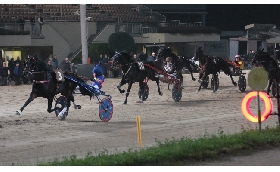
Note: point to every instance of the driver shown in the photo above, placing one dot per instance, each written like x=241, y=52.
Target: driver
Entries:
x=97, y=73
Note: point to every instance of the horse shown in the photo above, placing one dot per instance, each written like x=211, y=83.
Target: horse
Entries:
x=212, y=66
x=189, y=63
x=134, y=72
x=177, y=62
x=47, y=83
x=270, y=65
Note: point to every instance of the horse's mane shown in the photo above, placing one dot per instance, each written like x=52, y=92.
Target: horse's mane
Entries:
x=41, y=65
x=127, y=57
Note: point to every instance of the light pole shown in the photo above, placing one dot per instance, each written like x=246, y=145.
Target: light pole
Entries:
x=83, y=33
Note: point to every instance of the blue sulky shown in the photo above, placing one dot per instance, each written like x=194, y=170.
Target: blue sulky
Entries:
x=105, y=104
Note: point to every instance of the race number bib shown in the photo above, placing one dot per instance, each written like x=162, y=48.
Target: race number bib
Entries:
x=59, y=75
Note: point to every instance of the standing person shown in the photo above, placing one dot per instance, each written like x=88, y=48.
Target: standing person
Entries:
x=11, y=66
x=32, y=23
x=50, y=60
x=135, y=57
x=55, y=62
x=152, y=58
x=41, y=23
x=65, y=65
x=105, y=65
x=4, y=74
x=21, y=23
x=50, y=64
x=17, y=74
x=142, y=57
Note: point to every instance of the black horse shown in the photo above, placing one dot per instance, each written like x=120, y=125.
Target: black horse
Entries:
x=47, y=83
x=134, y=72
x=212, y=66
x=270, y=65
x=189, y=63
x=177, y=62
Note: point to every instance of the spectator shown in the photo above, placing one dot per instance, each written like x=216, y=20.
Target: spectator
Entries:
x=135, y=57
x=50, y=64
x=55, y=66
x=50, y=60
x=19, y=61
x=32, y=23
x=105, y=65
x=4, y=74
x=41, y=23
x=142, y=57
x=17, y=74
x=65, y=65
x=152, y=58
x=11, y=66
x=21, y=23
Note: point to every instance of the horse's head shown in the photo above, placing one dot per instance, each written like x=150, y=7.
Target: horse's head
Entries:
x=30, y=63
x=121, y=58
x=259, y=57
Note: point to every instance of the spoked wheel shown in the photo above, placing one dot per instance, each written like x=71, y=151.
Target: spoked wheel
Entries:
x=105, y=109
x=242, y=83
x=145, y=93
x=177, y=92
x=61, y=108
x=215, y=82
x=274, y=88
x=205, y=82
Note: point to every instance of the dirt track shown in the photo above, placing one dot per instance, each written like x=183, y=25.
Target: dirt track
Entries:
x=37, y=136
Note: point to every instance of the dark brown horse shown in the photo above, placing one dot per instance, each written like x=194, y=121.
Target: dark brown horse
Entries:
x=132, y=72
x=47, y=83
x=212, y=66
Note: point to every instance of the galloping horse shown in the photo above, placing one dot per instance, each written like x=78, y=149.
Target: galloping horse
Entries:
x=131, y=73
x=269, y=64
x=177, y=62
x=211, y=66
x=47, y=83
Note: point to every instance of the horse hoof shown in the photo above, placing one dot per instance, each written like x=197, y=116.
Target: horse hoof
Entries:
x=18, y=112
x=61, y=118
x=161, y=93
x=77, y=106
x=122, y=91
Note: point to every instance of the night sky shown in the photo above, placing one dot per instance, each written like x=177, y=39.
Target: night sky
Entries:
x=235, y=17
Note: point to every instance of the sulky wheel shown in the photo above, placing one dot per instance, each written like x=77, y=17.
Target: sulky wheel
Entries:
x=215, y=82
x=242, y=83
x=105, y=109
x=176, y=92
x=61, y=109
x=274, y=88
x=145, y=93
x=205, y=82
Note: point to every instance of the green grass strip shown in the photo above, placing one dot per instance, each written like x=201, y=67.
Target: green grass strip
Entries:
x=174, y=152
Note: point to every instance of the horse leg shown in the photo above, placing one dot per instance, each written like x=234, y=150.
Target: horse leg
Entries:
x=191, y=72
x=30, y=99
x=269, y=85
x=75, y=105
x=120, y=85
x=50, y=101
x=233, y=82
x=202, y=79
x=141, y=86
x=127, y=92
x=159, y=91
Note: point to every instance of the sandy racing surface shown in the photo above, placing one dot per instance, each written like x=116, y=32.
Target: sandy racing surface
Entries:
x=37, y=136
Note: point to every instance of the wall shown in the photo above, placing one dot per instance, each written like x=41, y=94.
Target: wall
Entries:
x=64, y=37
x=15, y=40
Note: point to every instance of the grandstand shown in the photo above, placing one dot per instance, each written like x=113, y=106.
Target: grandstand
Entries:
x=62, y=27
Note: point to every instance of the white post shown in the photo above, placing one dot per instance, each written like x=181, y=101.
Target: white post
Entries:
x=83, y=33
